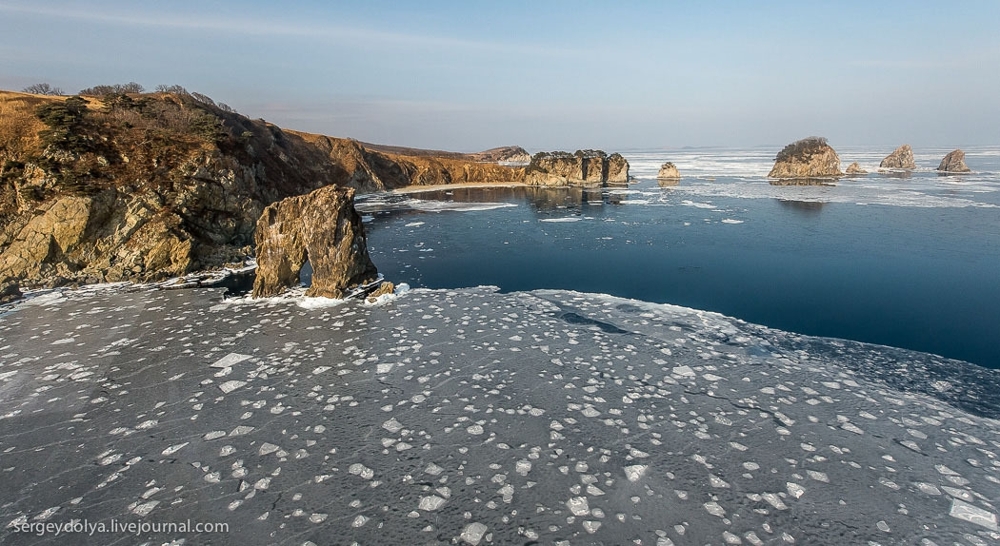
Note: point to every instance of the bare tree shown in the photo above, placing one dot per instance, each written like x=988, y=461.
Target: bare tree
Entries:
x=42, y=89
x=176, y=89
x=204, y=99
x=102, y=90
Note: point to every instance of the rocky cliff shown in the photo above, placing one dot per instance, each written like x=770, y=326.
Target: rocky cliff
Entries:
x=900, y=158
x=954, y=162
x=807, y=158
x=322, y=228
x=144, y=187
x=582, y=168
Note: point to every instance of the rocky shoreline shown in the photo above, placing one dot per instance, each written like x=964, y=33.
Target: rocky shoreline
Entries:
x=83, y=199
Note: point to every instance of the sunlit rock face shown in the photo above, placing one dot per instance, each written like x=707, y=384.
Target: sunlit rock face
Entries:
x=582, y=168
x=668, y=175
x=854, y=169
x=807, y=158
x=901, y=158
x=954, y=162
x=321, y=227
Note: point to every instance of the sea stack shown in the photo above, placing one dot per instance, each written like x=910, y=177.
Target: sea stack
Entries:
x=854, y=168
x=582, y=168
x=321, y=227
x=900, y=158
x=810, y=157
x=954, y=162
x=668, y=175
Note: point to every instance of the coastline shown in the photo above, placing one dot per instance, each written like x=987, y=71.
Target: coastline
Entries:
x=406, y=190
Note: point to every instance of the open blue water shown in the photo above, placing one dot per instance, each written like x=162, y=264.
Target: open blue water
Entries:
x=906, y=261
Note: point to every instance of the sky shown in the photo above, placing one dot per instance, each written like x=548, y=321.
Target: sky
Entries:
x=546, y=75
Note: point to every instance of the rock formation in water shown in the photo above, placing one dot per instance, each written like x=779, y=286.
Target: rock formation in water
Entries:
x=807, y=158
x=854, y=168
x=322, y=228
x=954, y=162
x=583, y=168
x=668, y=175
x=148, y=186
x=900, y=158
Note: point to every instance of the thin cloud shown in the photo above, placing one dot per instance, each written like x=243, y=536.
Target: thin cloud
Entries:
x=327, y=32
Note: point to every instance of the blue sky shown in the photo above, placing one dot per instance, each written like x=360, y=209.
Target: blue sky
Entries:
x=546, y=75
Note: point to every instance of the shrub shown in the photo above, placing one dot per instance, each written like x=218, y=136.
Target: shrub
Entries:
x=65, y=122
x=800, y=147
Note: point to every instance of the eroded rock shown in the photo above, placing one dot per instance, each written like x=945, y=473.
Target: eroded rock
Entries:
x=954, y=162
x=900, y=158
x=383, y=289
x=810, y=157
x=854, y=168
x=583, y=168
x=668, y=175
x=321, y=227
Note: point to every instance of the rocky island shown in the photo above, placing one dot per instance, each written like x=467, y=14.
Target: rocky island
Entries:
x=668, y=175
x=582, y=168
x=901, y=158
x=954, y=162
x=809, y=158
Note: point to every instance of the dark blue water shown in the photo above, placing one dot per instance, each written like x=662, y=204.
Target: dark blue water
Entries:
x=919, y=277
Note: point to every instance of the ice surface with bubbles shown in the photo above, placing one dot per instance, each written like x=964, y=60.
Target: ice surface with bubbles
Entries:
x=474, y=417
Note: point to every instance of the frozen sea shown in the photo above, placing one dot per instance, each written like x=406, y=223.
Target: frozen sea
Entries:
x=905, y=260
x=546, y=414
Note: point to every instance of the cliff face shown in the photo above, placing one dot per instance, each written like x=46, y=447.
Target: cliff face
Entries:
x=144, y=187
x=807, y=158
x=583, y=168
x=367, y=170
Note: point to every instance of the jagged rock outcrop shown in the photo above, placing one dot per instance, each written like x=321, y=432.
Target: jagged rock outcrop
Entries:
x=668, y=175
x=954, y=162
x=900, y=158
x=145, y=187
x=854, y=168
x=9, y=292
x=810, y=157
x=512, y=155
x=383, y=289
x=582, y=168
x=322, y=228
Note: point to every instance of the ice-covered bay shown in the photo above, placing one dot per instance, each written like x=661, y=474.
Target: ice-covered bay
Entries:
x=474, y=417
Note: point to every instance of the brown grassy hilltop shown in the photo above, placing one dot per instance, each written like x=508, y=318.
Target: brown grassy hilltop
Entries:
x=130, y=186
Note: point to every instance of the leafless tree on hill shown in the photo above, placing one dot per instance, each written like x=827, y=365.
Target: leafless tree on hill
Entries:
x=42, y=89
